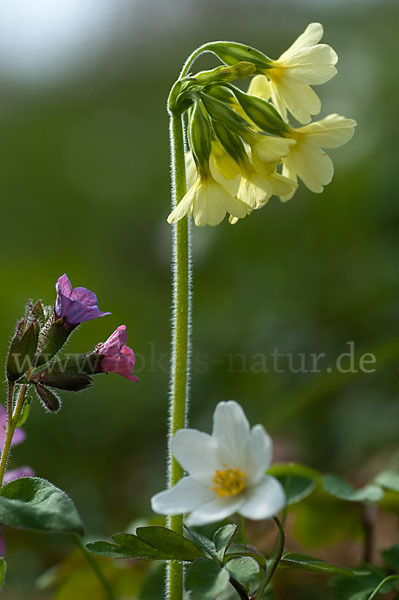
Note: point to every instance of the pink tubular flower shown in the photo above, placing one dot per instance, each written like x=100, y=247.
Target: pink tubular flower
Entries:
x=117, y=357
x=75, y=305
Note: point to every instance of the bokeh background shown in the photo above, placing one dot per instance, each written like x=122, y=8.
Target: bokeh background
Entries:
x=84, y=189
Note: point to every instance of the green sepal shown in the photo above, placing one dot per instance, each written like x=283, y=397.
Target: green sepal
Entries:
x=233, y=52
x=261, y=112
x=239, y=70
x=23, y=417
x=88, y=363
x=22, y=349
x=52, y=338
x=222, y=111
x=49, y=399
x=36, y=504
x=230, y=141
x=199, y=135
x=37, y=312
x=71, y=381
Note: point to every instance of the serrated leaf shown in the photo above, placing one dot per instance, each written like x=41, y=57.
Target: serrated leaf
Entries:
x=243, y=568
x=335, y=486
x=223, y=538
x=308, y=563
x=3, y=569
x=206, y=546
x=170, y=542
x=205, y=579
x=34, y=503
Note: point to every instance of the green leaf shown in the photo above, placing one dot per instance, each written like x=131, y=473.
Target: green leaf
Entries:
x=169, y=542
x=206, y=580
x=24, y=413
x=308, y=563
x=34, y=503
x=344, y=491
x=223, y=538
x=3, y=569
x=150, y=543
x=297, y=480
x=359, y=588
x=391, y=557
x=243, y=568
x=206, y=546
x=388, y=479
x=238, y=550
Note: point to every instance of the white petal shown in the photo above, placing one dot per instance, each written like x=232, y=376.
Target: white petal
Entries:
x=311, y=36
x=217, y=510
x=258, y=455
x=331, y=132
x=264, y=500
x=231, y=430
x=187, y=495
x=197, y=452
x=260, y=87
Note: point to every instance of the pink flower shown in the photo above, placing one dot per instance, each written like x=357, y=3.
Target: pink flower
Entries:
x=75, y=305
x=117, y=357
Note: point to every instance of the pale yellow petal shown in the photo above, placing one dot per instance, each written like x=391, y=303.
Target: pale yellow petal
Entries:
x=313, y=66
x=291, y=175
x=311, y=36
x=268, y=151
x=184, y=205
x=260, y=87
x=312, y=165
x=255, y=191
x=331, y=132
x=300, y=99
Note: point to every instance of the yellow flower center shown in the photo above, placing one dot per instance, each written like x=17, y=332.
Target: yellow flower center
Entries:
x=228, y=482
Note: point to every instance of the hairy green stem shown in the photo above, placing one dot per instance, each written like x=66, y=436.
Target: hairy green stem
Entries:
x=12, y=421
x=95, y=568
x=181, y=341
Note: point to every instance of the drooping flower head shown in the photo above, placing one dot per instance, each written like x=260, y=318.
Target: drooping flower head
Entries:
x=75, y=305
x=307, y=159
x=226, y=471
x=305, y=63
x=117, y=357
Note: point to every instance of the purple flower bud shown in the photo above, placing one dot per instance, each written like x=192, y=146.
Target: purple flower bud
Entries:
x=17, y=473
x=75, y=305
x=117, y=357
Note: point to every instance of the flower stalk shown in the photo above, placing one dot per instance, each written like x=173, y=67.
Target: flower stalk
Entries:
x=13, y=417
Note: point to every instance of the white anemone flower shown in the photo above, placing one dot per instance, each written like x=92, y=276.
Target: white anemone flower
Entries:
x=305, y=63
x=226, y=472
x=307, y=158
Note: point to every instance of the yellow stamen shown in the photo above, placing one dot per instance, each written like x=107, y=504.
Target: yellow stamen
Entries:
x=228, y=482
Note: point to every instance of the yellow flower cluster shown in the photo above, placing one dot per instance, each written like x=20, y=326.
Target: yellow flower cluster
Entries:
x=243, y=149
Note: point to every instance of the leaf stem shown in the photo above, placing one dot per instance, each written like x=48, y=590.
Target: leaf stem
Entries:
x=383, y=582
x=273, y=567
x=95, y=567
x=12, y=421
x=243, y=531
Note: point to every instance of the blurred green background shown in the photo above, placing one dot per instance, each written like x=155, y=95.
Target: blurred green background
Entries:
x=84, y=189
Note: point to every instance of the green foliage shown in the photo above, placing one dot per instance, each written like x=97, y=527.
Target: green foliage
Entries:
x=391, y=557
x=223, y=538
x=243, y=568
x=297, y=480
x=34, y=503
x=308, y=563
x=150, y=543
x=344, y=491
x=205, y=579
x=362, y=587
x=388, y=479
x=24, y=413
